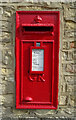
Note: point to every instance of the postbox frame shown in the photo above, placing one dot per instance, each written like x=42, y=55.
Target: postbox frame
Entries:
x=20, y=105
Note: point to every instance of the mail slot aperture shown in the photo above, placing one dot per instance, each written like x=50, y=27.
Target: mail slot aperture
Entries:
x=37, y=59
x=34, y=28
x=38, y=28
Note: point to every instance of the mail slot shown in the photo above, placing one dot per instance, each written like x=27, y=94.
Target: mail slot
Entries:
x=37, y=59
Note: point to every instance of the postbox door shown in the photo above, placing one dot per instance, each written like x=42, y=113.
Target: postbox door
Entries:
x=36, y=86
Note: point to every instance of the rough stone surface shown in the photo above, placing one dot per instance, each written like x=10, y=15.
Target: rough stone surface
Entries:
x=63, y=100
x=67, y=59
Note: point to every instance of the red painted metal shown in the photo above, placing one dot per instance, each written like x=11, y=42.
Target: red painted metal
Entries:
x=37, y=89
x=38, y=19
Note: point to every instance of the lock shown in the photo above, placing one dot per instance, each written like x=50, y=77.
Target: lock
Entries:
x=28, y=99
x=37, y=59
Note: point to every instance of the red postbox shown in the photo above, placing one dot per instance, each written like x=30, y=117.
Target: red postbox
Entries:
x=37, y=59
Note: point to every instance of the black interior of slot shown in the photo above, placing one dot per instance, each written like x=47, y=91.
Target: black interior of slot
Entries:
x=38, y=28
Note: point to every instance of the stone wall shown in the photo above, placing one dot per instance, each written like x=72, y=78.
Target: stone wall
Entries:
x=67, y=58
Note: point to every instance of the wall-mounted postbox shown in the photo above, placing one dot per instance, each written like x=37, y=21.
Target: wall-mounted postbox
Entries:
x=37, y=57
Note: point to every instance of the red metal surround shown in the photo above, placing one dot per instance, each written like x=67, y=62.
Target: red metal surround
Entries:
x=37, y=89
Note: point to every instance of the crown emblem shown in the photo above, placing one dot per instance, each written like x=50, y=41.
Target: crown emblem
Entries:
x=38, y=19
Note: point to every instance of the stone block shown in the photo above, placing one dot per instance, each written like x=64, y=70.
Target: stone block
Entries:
x=7, y=87
x=19, y=112
x=1, y=99
x=0, y=57
x=2, y=89
x=9, y=118
x=70, y=55
x=70, y=25
x=4, y=1
x=69, y=14
x=71, y=80
x=71, y=68
x=74, y=55
x=8, y=100
x=9, y=78
x=69, y=110
x=0, y=35
x=6, y=111
x=65, y=45
x=48, y=118
x=16, y=1
x=7, y=71
x=6, y=26
x=63, y=87
x=7, y=13
x=62, y=100
x=69, y=34
x=45, y=112
x=6, y=39
x=8, y=57
x=72, y=5
x=1, y=10
x=4, y=71
x=72, y=103
x=55, y=4
x=64, y=67
x=5, y=18
x=70, y=88
x=64, y=55
x=5, y=34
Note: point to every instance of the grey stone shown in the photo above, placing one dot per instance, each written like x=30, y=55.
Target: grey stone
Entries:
x=8, y=100
x=7, y=57
x=14, y=1
x=5, y=111
x=69, y=14
x=7, y=71
x=6, y=26
x=7, y=87
x=62, y=100
x=1, y=10
x=57, y=118
x=70, y=34
x=29, y=118
x=4, y=1
x=6, y=39
x=64, y=55
x=9, y=118
x=5, y=34
x=70, y=79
